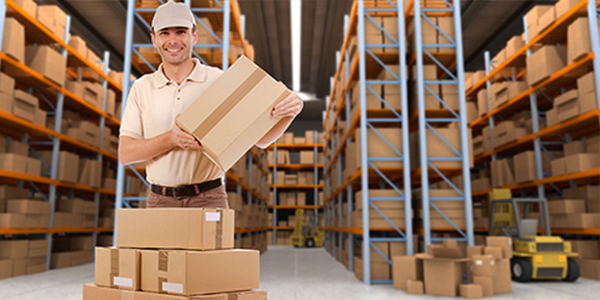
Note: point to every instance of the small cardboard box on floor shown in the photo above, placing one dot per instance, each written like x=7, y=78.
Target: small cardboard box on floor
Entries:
x=234, y=112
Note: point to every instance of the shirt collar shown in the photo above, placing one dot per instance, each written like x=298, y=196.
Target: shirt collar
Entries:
x=198, y=74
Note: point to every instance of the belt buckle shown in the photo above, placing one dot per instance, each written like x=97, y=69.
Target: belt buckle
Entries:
x=179, y=191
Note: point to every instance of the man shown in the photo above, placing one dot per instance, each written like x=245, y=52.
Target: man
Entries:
x=180, y=174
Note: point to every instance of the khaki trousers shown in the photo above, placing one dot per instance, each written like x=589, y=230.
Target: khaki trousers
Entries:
x=214, y=198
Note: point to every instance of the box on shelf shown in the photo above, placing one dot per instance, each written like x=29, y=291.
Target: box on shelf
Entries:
x=24, y=105
x=47, y=62
x=13, y=43
x=545, y=62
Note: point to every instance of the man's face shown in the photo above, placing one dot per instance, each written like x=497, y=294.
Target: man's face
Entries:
x=174, y=44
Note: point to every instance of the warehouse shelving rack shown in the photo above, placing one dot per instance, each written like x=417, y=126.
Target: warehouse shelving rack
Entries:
x=315, y=186
x=360, y=69
x=57, y=98
x=221, y=14
x=579, y=125
x=429, y=119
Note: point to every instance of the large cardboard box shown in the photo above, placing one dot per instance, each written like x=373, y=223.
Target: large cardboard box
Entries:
x=47, y=62
x=442, y=143
x=578, y=39
x=28, y=206
x=234, y=112
x=443, y=276
x=502, y=279
x=567, y=105
x=563, y=6
x=118, y=268
x=172, y=228
x=94, y=292
x=24, y=105
x=13, y=162
x=406, y=268
x=37, y=248
x=199, y=272
x=566, y=206
x=471, y=291
x=13, y=249
x=483, y=265
x=13, y=42
x=78, y=44
x=546, y=61
x=582, y=162
x=501, y=241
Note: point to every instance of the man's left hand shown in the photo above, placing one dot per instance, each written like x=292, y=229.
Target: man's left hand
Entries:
x=291, y=106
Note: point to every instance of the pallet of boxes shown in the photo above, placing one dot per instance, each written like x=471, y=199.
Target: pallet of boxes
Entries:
x=446, y=270
x=175, y=253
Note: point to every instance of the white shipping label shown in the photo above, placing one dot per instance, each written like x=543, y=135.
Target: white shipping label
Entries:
x=479, y=262
x=172, y=287
x=492, y=262
x=122, y=281
x=213, y=216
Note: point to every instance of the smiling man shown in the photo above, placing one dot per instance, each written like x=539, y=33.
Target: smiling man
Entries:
x=180, y=174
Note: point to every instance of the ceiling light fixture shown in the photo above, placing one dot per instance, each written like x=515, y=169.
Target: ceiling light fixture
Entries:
x=296, y=23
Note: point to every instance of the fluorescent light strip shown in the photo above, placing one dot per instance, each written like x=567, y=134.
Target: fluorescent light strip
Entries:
x=296, y=23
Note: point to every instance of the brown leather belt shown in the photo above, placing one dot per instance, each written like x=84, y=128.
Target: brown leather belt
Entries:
x=181, y=191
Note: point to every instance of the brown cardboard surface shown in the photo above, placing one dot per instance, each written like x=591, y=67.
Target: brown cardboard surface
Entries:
x=545, y=62
x=496, y=252
x=502, y=279
x=171, y=228
x=19, y=267
x=566, y=206
x=578, y=39
x=586, y=85
x=29, y=6
x=5, y=268
x=558, y=166
x=28, y=206
x=37, y=248
x=586, y=249
x=242, y=114
x=483, y=265
x=574, y=147
x=567, y=105
x=501, y=241
x=487, y=284
x=582, y=162
x=525, y=167
x=47, y=62
x=24, y=105
x=13, y=42
x=406, y=268
x=93, y=292
x=414, y=287
x=13, y=162
x=7, y=84
x=199, y=272
x=563, y=6
x=12, y=249
x=442, y=276
x=471, y=291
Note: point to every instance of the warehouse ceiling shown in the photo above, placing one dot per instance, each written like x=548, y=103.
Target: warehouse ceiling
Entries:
x=487, y=24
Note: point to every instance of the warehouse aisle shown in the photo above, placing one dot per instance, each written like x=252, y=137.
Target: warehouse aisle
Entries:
x=287, y=274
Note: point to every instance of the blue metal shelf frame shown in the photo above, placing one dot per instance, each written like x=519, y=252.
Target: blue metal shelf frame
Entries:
x=364, y=15
x=457, y=78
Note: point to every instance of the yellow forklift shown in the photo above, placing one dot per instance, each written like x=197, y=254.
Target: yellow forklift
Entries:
x=534, y=257
x=306, y=235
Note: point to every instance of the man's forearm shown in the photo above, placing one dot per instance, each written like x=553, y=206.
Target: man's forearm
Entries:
x=275, y=132
x=139, y=150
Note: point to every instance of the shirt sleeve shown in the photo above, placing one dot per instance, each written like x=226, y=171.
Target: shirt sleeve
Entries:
x=131, y=124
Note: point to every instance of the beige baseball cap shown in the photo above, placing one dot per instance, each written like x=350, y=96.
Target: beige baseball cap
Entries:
x=173, y=14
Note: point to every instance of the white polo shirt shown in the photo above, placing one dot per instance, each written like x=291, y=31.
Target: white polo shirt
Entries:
x=152, y=105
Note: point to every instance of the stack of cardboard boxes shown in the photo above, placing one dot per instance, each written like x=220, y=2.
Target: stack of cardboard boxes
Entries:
x=441, y=270
x=588, y=258
x=19, y=103
x=69, y=251
x=14, y=156
x=155, y=258
x=20, y=257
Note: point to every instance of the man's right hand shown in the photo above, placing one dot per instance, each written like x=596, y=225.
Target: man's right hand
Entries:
x=183, y=139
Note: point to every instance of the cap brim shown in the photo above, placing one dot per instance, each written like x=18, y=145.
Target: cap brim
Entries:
x=175, y=22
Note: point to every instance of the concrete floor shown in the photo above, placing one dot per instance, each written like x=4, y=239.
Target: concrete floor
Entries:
x=287, y=273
